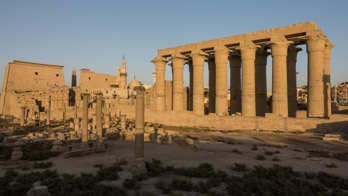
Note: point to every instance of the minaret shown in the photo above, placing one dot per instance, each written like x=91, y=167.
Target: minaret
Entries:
x=73, y=79
x=123, y=80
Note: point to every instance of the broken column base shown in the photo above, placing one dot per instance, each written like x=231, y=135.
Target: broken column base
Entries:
x=138, y=168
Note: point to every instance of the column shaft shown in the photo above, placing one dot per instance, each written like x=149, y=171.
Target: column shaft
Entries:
x=248, y=81
x=327, y=78
x=235, y=84
x=139, y=124
x=315, y=50
x=22, y=120
x=279, y=78
x=160, y=64
x=198, y=83
x=178, y=87
x=48, y=111
x=212, y=83
x=291, y=77
x=261, y=82
x=191, y=85
x=221, y=58
x=84, y=143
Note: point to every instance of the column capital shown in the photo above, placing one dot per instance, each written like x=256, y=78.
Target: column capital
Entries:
x=159, y=59
x=198, y=58
x=178, y=56
x=327, y=50
x=140, y=90
x=315, y=43
x=221, y=55
x=84, y=95
x=280, y=48
x=248, y=51
x=294, y=48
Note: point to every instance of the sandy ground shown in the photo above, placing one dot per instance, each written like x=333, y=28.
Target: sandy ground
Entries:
x=293, y=151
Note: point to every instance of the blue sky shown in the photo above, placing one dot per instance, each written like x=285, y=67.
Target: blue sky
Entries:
x=96, y=34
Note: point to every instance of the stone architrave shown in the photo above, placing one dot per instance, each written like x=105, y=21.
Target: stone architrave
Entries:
x=99, y=136
x=198, y=58
x=248, y=54
x=160, y=64
x=22, y=119
x=178, y=85
x=327, y=78
x=279, y=77
x=235, y=83
x=261, y=82
x=139, y=166
x=212, y=83
x=315, y=50
x=292, y=82
x=221, y=58
x=84, y=142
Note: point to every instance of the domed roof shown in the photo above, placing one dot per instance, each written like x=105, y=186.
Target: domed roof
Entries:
x=134, y=83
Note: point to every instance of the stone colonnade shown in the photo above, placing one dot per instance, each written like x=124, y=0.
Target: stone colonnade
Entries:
x=248, y=85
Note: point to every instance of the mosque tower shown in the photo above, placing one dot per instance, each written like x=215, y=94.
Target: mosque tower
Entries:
x=123, y=91
x=73, y=79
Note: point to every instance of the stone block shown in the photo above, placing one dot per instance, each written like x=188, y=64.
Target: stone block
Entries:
x=332, y=137
x=38, y=191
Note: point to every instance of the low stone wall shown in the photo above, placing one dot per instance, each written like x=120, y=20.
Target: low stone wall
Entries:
x=270, y=122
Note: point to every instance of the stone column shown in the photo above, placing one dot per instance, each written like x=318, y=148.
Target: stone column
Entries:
x=22, y=120
x=178, y=86
x=48, y=111
x=292, y=82
x=212, y=83
x=261, y=82
x=327, y=80
x=123, y=122
x=84, y=143
x=160, y=64
x=198, y=58
x=94, y=121
x=235, y=83
x=248, y=54
x=279, y=77
x=191, y=85
x=315, y=50
x=107, y=120
x=221, y=58
x=99, y=139
x=64, y=112
x=139, y=166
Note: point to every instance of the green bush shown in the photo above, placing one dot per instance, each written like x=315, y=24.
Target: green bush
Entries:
x=108, y=173
x=332, y=181
x=154, y=168
x=204, y=170
x=275, y=159
x=268, y=153
x=38, y=151
x=43, y=165
x=179, y=184
x=106, y=190
x=341, y=156
x=5, y=152
x=131, y=184
x=276, y=180
x=260, y=157
x=202, y=187
x=331, y=165
x=236, y=151
x=239, y=167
